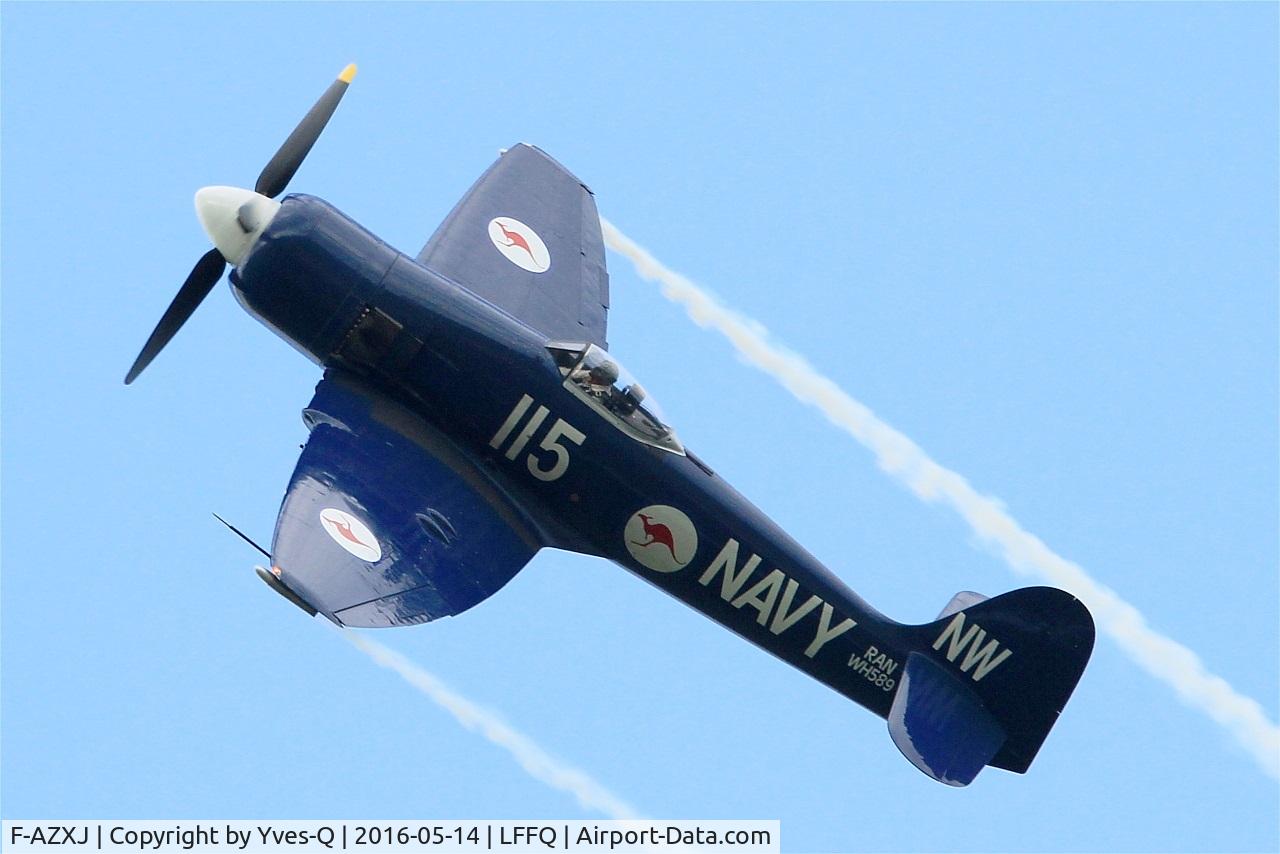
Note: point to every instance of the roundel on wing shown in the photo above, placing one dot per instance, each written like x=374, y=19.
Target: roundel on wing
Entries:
x=519, y=244
x=349, y=532
x=661, y=538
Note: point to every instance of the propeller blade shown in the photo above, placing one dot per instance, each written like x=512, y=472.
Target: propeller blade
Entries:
x=204, y=275
x=275, y=177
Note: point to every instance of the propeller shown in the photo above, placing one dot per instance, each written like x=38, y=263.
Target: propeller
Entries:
x=279, y=170
x=234, y=218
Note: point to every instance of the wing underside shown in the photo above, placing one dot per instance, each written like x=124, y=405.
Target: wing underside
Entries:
x=385, y=522
x=526, y=237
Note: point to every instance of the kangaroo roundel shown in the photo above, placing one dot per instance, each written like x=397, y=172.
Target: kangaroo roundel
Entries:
x=350, y=533
x=661, y=538
x=520, y=244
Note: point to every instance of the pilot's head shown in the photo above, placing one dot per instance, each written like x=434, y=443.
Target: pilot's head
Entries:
x=605, y=373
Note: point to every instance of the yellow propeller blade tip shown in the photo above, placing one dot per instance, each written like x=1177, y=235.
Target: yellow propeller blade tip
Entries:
x=348, y=73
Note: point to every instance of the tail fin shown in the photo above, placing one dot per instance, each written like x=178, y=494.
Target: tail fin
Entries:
x=988, y=680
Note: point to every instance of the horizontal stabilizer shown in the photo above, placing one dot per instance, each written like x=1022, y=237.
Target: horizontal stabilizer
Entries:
x=940, y=725
x=960, y=601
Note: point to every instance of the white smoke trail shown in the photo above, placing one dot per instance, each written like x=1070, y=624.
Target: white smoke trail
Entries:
x=532, y=758
x=1161, y=656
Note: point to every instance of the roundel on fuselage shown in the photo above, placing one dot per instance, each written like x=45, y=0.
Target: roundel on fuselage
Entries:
x=661, y=538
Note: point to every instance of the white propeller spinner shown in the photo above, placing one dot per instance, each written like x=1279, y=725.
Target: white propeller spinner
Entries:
x=234, y=218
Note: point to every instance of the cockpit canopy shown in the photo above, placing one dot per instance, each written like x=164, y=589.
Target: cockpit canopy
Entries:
x=597, y=378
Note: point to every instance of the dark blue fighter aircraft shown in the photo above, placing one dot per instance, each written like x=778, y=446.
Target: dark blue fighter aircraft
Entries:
x=471, y=413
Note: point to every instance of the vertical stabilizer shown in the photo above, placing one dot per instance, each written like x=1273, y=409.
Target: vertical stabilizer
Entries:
x=987, y=681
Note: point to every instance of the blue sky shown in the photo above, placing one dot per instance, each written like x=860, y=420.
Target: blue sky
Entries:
x=1040, y=240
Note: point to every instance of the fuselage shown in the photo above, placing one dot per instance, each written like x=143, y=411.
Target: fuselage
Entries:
x=495, y=389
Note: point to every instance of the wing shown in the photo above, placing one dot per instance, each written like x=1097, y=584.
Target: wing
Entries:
x=385, y=522
x=526, y=237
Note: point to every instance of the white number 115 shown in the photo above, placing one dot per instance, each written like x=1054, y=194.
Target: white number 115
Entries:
x=561, y=429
